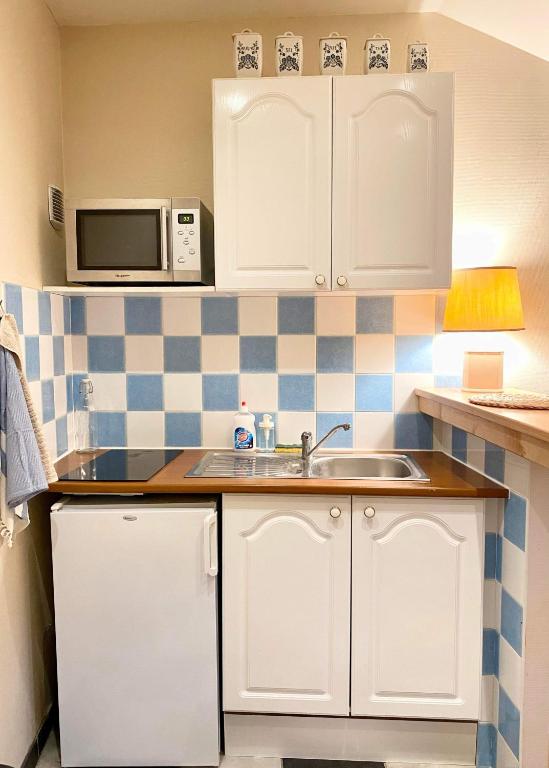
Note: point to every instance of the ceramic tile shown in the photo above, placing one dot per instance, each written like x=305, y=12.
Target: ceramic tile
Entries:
x=111, y=429
x=513, y=571
x=374, y=431
x=30, y=324
x=291, y=424
x=335, y=391
x=32, y=357
x=490, y=652
x=105, y=316
x=61, y=435
x=490, y=555
x=78, y=315
x=335, y=354
x=490, y=614
x=405, y=385
x=183, y=392
x=217, y=429
x=415, y=314
x=143, y=315
x=183, y=429
x=49, y=430
x=257, y=315
x=48, y=400
x=517, y=474
x=60, y=395
x=145, y=392
x=146, y=429
x=44, y=313
x=505, y=758
x=45, y=344
x=375, y=353
x=414, y=354
x=486, y=745
x=475, y=452
x=181, y=316
x=510, y=672
x=296, y=315
x=57, y=321
x=296, y=354
x=487, y=696
x=109, y=391
x=341, y=439
x=106, y=354
x=13, y=303
x=499, y=556
x=413, y=431
x=66, y=315
x=509, y=722
x=220, y=392
x=374, y=314
x=296, y=392
x=219, y=315
x=144, y=354
x=448, y=380
x=514, y=527
x=335, y=315
x=258, y=354
x=494, y=462
x=182, y=354
x=511, y=621
x=459, y=444
x=79, y=348
x=58, y=355
x=220, y=354
x=374, y=392
x=260, y=391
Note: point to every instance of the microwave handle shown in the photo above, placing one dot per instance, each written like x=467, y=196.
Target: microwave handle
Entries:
x=164, y=237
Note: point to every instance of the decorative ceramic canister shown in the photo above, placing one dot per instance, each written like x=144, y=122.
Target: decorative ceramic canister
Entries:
x=289, y=54
x=418, y=57
x=333, y=54
x=248, y=53
x=377, y=54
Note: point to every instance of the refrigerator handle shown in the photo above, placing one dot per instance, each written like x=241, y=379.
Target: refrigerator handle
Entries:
x=210, y=545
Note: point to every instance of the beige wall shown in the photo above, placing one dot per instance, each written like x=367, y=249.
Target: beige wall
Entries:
x=137, y=121
x=31, y=252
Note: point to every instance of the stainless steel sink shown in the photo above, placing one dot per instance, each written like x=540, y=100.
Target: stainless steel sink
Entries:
x=368, y=466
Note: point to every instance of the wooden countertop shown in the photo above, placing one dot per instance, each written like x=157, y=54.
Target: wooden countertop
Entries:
x=449, y=478
x=520, y=431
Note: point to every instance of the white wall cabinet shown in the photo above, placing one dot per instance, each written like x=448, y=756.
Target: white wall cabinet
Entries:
x=286, y=604
x=369, y=207
x=417, y=607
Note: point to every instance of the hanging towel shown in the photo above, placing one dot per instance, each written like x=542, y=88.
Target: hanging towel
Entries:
x=9, y=339
x=22, y=475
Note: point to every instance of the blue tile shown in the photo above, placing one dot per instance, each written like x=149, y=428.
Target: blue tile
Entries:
x=70, y=395
x=499, y=557
x=44, y=313
x=61, y=434
x=181, y=354
x=414, y=354
x=48, y=401
x=296, y=314
x=257, y=353
x=509, y=722
x=32, y=358
x=413, y=431
x=374, y=392
x=490, y=555
x=143, y=315
x=335, y=354
x=58, y=355
x=487, y=743
x=106, y=354
x=145, y=391
x=67, y=315
x=219, y=315
x=374, y=314
x=511, y=621
x=490, y=652
x=78, y=315
x=111, y=428
x=296, y=392
x=459, y=444
x=514, y=520
x=220, y=392
x=494, y=461
x=342, y=438
x=183, y=429
x=14, y=304
x=448, y=380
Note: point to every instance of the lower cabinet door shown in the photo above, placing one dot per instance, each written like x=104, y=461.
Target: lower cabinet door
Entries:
x=417, y=607
x=286, y=604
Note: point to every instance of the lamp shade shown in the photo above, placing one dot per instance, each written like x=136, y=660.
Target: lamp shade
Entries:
x=484, y=299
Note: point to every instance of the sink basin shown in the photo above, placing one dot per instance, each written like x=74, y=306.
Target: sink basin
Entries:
x=367, y=467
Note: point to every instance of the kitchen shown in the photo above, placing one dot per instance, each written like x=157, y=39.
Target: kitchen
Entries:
x=170, y=365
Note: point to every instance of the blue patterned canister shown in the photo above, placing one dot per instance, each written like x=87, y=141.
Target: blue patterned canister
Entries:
x=377, y=54
x=418, y=57
x=333, y=54
x=289, y=54
x=248, y=53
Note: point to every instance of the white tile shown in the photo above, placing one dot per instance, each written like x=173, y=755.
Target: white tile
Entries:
x=405, y=386
x=487, y=694
x=144, y=354
x=181, y=316
x=513, y=573
x=217, y=429
x=60, y=395
x=109, y=391
x=70, y=430
x=517, y=474
x=296, y=354
x=291, y=424
x=510, y=672
x=145, y=429
x=493, y=508
x=105, y=316
x=374, y=431
x=490, y=617
x=183, y=391
x=79, y=348
x=335, y=392
x=30, y=312
x=57, y=319
x=475, y=452
x=257, y=315
x=50, y=436
x=375, y=353
x=335, y=316
x=446, y=437
x=506, y=758
x=220, y=354
x=437, y=435
x=415, y=314
x=46, y=357
x=497, y=620
x=260, y=391
x=67, y=346
x=251, y=762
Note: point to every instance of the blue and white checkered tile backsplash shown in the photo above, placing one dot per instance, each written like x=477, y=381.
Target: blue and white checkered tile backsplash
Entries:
x=504, y=594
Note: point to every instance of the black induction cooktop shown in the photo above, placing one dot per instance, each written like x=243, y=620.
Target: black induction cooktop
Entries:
x=121, y=464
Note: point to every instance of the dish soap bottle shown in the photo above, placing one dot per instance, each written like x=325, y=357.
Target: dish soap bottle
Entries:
x=86, y=436
x=244, y=429
x=265, y=440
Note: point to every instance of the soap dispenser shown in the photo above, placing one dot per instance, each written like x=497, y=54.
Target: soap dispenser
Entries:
x=265, y=435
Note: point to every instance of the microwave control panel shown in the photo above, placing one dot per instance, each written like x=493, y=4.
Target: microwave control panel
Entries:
x=186, y=239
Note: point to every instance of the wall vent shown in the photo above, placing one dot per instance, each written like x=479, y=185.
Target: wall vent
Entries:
x=56, y=207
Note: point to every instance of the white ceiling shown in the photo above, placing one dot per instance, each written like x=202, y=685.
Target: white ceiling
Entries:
x=524, y=24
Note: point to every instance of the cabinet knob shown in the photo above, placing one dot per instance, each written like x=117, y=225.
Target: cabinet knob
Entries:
x=369, y=512
x=335, y=512
x=320, y=279
x=342, y=280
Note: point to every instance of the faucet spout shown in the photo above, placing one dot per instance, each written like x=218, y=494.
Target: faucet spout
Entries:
x=306, y=440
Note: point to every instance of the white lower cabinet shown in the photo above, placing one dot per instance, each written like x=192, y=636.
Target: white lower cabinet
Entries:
x=286, y=604
x=417, y=607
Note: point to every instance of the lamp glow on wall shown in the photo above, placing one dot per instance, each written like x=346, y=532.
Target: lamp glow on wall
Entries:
x=484, y=299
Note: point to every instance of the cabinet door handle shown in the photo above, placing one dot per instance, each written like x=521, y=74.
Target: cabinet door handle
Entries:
x=335, y=512
x=369, y=512
x=210, y=545
x=320, y=279
x=342, y=280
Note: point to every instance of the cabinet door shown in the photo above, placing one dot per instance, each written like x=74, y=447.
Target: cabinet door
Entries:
x=286, y=604
x=272, y=178
x=417, y=608
x=392, y=184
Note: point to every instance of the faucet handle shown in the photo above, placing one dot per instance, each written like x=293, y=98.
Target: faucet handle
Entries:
x=306, y=440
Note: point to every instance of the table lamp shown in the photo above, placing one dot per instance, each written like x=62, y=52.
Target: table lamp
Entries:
x=484, y=299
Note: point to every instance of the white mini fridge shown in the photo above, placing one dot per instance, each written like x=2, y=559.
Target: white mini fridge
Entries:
x=136, y=623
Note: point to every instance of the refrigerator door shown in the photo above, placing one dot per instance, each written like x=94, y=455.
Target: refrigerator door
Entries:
x=136, y=618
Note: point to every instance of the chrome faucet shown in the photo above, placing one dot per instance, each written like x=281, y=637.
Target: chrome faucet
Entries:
x=306, y=440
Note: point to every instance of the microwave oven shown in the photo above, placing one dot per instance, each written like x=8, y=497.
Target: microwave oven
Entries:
x=141, y=241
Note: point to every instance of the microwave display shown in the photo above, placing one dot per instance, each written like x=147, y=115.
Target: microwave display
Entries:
x=119, y=239
x=185, y=218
